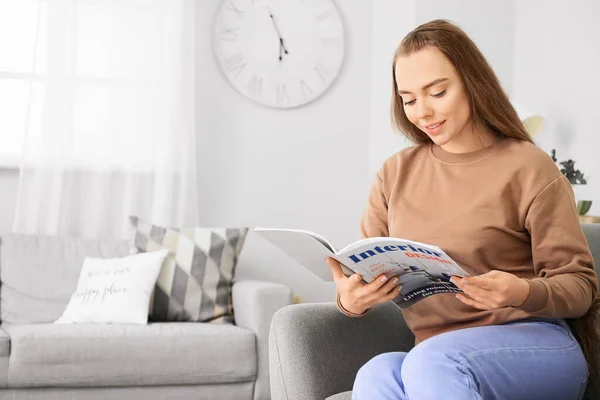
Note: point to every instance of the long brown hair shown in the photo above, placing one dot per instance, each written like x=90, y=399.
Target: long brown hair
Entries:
x=489, y=104
x=491, y=107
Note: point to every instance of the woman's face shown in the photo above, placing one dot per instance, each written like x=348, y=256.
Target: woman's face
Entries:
x=434, y=97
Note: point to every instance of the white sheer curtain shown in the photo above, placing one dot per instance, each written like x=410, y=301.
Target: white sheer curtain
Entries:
x=110, y=126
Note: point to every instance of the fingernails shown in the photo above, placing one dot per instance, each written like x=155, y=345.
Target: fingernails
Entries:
x=395, y=281
x=384, y=279
x=357, y=277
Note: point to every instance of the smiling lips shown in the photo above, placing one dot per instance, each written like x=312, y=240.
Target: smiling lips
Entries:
x=434, y=129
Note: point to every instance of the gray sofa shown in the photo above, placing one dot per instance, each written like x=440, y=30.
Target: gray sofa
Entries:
x=316, y=351
x=41, y=360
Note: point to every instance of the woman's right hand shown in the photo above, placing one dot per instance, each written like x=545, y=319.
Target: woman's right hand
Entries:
x=356, y=296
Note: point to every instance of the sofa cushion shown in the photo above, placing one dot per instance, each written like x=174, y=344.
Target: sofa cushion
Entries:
x=196, y=277
x=4, y=343
x=39, y=274
x=114, y=290
x=129, y=355
x=4, y=353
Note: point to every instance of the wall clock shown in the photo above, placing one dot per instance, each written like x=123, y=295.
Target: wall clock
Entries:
x=279, y=53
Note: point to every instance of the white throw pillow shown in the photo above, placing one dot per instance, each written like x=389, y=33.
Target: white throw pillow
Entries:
x=114, y=290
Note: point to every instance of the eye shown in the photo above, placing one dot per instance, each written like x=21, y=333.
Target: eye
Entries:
x=409, y=103
x=440, y=94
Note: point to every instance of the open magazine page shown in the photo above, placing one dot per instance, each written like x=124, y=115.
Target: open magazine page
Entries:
x=296, y=233
x=307, y=248
x=423, y=270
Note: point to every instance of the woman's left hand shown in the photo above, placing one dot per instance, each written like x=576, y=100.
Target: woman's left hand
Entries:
x=495, y=289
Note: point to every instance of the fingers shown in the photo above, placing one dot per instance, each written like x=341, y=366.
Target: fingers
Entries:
x=495, y=289
x=395, y=292
x=473, y=303
x=386, y=293
x=387, y=286
x=335, y=268
x=379, y=289
x=481, y=281
x=475, y=292
x=380, y=282
x=369, y=291
x=477, y=295
x=354, y=281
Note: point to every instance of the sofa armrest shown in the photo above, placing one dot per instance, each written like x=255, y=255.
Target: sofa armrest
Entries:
x=592, y=235
x=254, y=304
x=315, y=351
x=4, y=356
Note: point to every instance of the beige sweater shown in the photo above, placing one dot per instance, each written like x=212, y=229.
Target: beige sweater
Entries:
x=504, y=207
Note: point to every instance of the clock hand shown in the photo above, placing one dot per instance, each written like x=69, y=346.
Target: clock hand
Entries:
x=274, y=23
x=281, y=43
x=282, y=47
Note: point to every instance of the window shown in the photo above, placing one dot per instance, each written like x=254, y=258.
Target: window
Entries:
x=21, y=87
x=83, y=80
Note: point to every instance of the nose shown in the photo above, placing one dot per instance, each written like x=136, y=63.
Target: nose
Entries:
x=424, y=110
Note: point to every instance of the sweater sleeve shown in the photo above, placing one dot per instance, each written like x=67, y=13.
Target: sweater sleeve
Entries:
x=374, y=220
x=565, y=283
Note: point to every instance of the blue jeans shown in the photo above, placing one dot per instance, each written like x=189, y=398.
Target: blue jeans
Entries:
x=520, y=360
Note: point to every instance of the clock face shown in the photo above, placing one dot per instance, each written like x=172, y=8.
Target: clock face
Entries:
x=280, y=53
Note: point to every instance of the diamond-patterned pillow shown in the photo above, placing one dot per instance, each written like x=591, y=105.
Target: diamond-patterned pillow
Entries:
x=196, y=277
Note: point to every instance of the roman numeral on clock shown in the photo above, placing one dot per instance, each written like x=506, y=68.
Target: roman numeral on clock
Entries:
x=306, y=90
x=254, y=86
x=323, y=72
x=282, y=93
x=229, y=34
x=236, y=10
x=235, y=64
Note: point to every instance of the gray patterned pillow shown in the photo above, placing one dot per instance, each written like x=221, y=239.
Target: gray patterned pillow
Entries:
x=195, y=281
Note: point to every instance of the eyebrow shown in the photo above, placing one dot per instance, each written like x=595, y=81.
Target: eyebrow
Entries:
x=430, y=84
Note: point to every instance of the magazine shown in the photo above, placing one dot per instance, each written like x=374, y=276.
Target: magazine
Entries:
x=422, y=269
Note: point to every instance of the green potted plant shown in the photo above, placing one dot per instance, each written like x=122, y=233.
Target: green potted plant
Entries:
x=577, y=179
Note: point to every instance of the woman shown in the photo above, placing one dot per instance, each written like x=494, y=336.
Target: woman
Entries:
x=476, y=186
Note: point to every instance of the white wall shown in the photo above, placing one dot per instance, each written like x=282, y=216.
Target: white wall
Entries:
x=302, y=168
x=556, y=63
x=392, y=20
